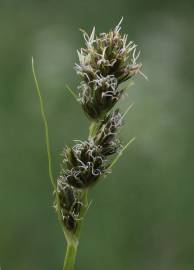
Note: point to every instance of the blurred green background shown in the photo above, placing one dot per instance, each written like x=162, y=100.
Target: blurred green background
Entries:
x=142, y=216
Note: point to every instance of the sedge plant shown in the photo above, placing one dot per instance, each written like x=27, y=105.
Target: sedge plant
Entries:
x=106, y=63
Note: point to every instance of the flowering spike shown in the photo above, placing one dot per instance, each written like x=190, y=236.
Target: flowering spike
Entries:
x=107, y=61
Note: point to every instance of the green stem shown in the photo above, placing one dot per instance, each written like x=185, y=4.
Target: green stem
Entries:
x=93, y=129
x=43, y=114
x=73, y=240
x=70, y=256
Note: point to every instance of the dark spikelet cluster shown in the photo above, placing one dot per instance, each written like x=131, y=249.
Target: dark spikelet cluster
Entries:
x=106, y=61
x=70, y=204
x=84, y=164
x=99, y=96
x=107, y=133
x=86, y=161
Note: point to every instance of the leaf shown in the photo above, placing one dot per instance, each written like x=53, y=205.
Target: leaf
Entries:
x=121, y=152
x=71, y=92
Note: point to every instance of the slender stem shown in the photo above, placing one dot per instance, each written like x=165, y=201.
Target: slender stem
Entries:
x=43, y=114
x=92, y=129
x=70, y=256
x=73, y=240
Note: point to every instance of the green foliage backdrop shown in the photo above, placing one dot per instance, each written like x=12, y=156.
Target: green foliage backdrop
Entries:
x=142, y=216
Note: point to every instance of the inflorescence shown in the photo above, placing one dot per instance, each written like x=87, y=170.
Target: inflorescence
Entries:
x=105, y=63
